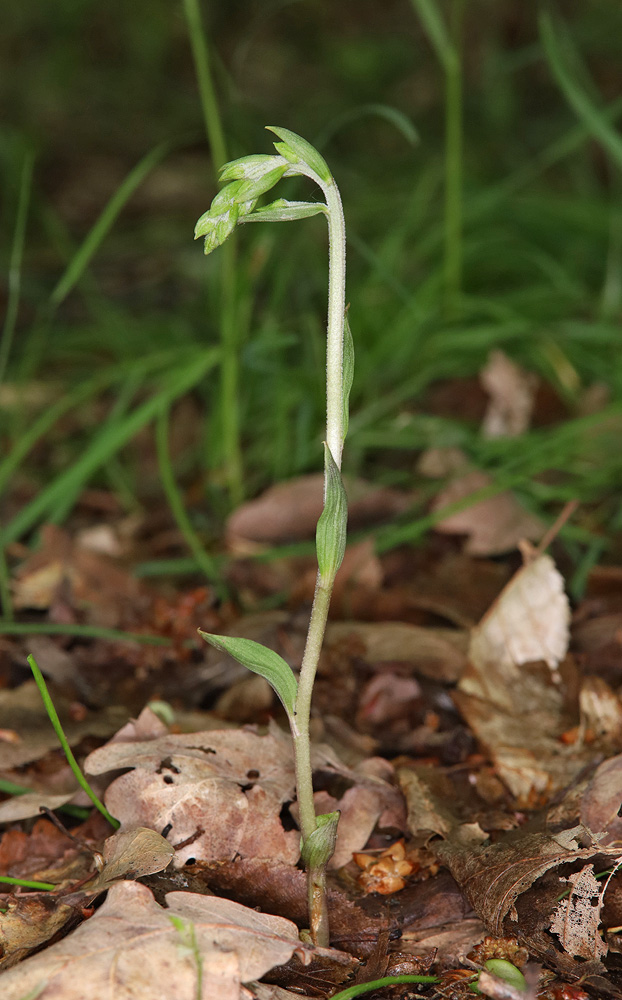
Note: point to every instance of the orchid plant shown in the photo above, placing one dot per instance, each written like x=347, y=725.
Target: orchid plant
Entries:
x=246, y=180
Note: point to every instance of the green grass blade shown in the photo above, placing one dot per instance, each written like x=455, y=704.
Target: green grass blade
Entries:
x=62, y=739
x=591, y=116
x=175, y=499
x=104, y=223
x=207, y=92
x=105, y=444
x=81, y=632
x=86, y=390
x=15, y=264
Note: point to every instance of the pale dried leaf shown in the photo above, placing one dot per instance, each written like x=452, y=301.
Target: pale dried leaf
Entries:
x=511, y=390
x=31, y=804
x=131, y=950
x=517, y=711
x=528, y=622
x=576, y=918
x=600, y=709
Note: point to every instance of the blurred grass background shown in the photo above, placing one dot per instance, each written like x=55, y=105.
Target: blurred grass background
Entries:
x=477, y=150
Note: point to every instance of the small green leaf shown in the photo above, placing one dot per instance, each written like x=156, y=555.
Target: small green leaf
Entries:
x=262, y=661
x=504, y=970
x=296, y=149
x=330, y=536
x=252, y=189
x=285, y=211
x=319, y=847
x=250, y=168
x=226, y=197
x=348, y=370
x=216, y=228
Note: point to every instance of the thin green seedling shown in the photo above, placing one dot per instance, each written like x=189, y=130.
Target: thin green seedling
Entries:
x=246, y=180
x=28, y=883
x=446, y=43
x=62, y=739
x=189, y=946
x=229, y=410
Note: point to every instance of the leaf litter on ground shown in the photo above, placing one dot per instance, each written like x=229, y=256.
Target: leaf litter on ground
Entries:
x=504, y=804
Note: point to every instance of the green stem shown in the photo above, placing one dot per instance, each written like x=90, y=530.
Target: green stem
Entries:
x=377, y=984
x=62, y=739
x=207, y=92
x=318, y=910
x=175, y=499
x=28, y=883
x=230, y=445
x=336, y=313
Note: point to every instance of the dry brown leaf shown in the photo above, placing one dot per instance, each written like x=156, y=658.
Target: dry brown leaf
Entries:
x=216, y=794
x=437, y=653
x=601, y=802
x=289, y=511
x=22, y=709
x=517, y=712
x=28, y=922
x=131, y=949
x=493, y=526
x=89, y=582
x=132, y=854
x=576, y=918
x=512, y=391
x=494, y=876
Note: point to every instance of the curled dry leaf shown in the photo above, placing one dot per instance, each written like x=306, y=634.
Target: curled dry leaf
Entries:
x=600, y=804
x=517, y=712
x=215, y=794
x=133, y=948
x=132, y=854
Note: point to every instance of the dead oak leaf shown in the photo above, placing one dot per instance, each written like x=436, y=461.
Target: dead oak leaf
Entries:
x=133, y=948
x=516, y=711
x=215, y=794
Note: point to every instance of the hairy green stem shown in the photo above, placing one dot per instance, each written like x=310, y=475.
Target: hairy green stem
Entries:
x=336, y=313
x=318, y=911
